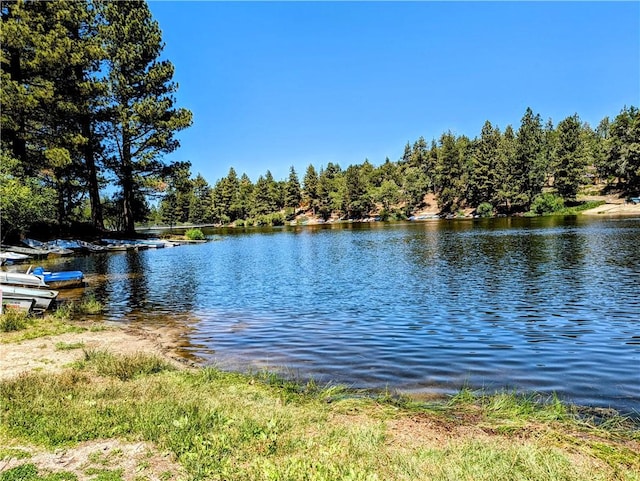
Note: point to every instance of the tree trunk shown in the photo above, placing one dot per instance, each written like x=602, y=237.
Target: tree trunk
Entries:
x=92, y=175
x=60, y=207
x=127, y=187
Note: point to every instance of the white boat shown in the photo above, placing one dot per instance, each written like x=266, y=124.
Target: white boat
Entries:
x=168, y=243
x=18, y=303
x=13, y=256
x=151, y=243
x=17, y=278
x=42, y=297
x=51, y=250
x=91, y=247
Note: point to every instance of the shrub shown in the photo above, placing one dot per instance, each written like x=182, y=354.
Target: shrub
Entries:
x=261, y=220
x=277, y=218
x=398, y=214
x=290, y=213
x=485, y=210
x=89, y=305
x=194, y=234
x=125, y=367
x=13, y=320
x=546, y=204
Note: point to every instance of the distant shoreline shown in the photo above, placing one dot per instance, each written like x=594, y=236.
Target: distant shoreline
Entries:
x=608, y=209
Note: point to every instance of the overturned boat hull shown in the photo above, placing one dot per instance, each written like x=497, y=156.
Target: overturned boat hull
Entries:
x=42, y=297
x=17, y=303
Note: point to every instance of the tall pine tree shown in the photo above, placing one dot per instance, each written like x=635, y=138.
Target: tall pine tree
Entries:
x=569, y=166
x=141, y=117
x=530, y=166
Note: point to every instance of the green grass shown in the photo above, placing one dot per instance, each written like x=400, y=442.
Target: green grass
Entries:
x=69, y=346
x=580, y=208
x=19, y=326
x=230, y=426
x=574, y=210
x=123, y=367
x=35, y=327
x=88, y=305
x=13, y=320
x=7, y=453
x=29, y=472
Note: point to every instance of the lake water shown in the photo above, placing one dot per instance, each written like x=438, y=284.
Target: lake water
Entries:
x=543, y=304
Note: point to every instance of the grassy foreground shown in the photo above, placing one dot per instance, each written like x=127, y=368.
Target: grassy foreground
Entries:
x=227, y=426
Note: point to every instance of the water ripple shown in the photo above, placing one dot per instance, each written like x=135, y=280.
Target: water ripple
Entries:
x=541, y=304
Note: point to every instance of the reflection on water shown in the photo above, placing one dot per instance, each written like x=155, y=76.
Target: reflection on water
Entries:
x=543, y=304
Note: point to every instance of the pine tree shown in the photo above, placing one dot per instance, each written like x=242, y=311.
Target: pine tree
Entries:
x=530, y=166
x=603, y=172
x=432, y=175
x=200, y=205
x=275, y=197
x=449, y=173
x=141, y=118
x=484, y=174
x=508, y=186
x=78, y=93
x=51, y=55
x=406, y=156
x=623, y=148
x=358, y=200
x=293, y=194
x=420, y=155
x=414, y=186
x=24, y=84
x=569, y=160
x=310, y=188
x=245, y=196
x=262, y=203
x=331, y=191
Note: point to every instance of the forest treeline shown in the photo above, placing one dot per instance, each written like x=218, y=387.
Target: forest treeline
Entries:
x=88, y=107
x=500, y=171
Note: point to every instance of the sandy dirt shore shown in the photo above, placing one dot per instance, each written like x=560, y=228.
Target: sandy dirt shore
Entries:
x=51, y=354
x=54, y=353
x=615, y=209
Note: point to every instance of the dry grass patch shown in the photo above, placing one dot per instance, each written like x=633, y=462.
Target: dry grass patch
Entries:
x=87, y=461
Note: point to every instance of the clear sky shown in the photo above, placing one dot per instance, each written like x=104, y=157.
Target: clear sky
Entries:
x=279, y=84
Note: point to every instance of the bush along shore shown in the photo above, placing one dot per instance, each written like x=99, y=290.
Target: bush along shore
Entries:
x=102, y=407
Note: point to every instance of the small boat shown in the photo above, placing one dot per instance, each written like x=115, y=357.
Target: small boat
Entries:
x=17, y=278
x=168, y=243
x=91, y=247
x=66, y=244
x=62, y=279
x=12, y=302
x=151, y=243
x=30, y=251
x=13, y=257
x=51, y=250
x=42, y=297
x=122, y=245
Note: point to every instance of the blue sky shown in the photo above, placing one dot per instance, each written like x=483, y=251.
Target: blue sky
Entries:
x=279, y=84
